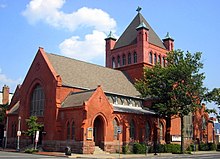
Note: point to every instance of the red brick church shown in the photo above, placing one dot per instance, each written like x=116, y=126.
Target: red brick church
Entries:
x=83, y=105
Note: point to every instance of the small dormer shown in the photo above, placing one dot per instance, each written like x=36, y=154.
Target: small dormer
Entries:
x=168, y=42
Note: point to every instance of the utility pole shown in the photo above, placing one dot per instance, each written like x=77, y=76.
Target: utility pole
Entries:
x=19, y=133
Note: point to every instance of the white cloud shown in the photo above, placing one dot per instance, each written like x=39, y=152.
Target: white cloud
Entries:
x=4, y=80
x=49, y=11
x=91, y=47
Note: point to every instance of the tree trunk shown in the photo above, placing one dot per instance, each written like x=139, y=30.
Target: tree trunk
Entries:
x=168, y=127
x=182, y=134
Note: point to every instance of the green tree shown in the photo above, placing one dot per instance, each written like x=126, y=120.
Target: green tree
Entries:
x=3, y=108
x=33, y=126
x=213, y=96
x=177, y=88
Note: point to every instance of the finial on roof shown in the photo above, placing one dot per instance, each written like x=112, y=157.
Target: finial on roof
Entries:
x=138, y=9
x=142, y=25
x=168, y=36
x=110, y=36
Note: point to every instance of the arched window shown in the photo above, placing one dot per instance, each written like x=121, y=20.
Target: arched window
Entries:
x=159, y=59
x=113, y=62
x=161, y=131
x=37, y=101
x=115, y=126
x=135, y=57
x=123, y=60
x=129, y=58
x=68, y=131
x=150, y=58
x=119, y=61
x=155, y=59
x=73, y=131
x=164, y=62
x=148, y=131
x=132, y=130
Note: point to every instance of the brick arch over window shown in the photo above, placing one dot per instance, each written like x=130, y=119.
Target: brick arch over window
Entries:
x=37, y=101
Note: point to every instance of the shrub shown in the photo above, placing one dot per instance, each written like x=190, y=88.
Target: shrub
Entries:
x=203, y=147
x=125, y=149
x=30, y=150
x=139, y=148
x=172, y=148
x=212, y=146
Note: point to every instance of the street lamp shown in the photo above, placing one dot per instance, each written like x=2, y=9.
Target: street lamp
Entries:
x=19, y=133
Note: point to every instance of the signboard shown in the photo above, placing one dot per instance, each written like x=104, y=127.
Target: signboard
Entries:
x=176, y=138
x=89, y=133
x=18, y=133
x=37, y=136
x=5, y=133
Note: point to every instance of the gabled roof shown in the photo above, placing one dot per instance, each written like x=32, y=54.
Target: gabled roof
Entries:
x=129, y=36
x=79, y=74
x=77, y=99
x=14, y=109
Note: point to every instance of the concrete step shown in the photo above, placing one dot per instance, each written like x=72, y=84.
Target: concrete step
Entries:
x=98, y=150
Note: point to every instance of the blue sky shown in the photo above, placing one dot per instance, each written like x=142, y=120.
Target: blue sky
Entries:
x=77, y=28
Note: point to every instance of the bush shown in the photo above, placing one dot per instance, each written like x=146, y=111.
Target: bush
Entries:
x=207, y=147
x=139, y=148
x=172, y=148
x=125, y=149
x=212, y=146
x=30, y=150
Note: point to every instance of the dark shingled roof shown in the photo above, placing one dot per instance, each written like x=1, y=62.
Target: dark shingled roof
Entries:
x=129, y=36
x=77, y=99
x=79, y=74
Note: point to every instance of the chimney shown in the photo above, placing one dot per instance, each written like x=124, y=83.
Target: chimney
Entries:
x=5, y=95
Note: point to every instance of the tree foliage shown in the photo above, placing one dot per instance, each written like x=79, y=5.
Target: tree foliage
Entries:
x=33, y=126
x=177, y=88
x=3, y=108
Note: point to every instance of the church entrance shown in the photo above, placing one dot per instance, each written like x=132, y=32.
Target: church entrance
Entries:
x=98, y=131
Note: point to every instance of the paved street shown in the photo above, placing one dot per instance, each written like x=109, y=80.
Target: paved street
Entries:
x=13, y=155
x=49, y=155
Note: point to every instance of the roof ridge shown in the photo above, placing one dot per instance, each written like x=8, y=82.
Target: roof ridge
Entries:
x=80, y=92
x=84, y=62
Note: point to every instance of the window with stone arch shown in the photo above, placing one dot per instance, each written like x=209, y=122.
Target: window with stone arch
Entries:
x=132, y=130
x=147, y=131
x=150, y=58
x=119, y=61
x=115, y=126
x=123, y=60
x=161, y=131
x=159, y=59
x=73, y=131
x=113, y=62
x=135, y=57
x=129, y=58
x=68, y=131
x=37, y=101
x=155, y=59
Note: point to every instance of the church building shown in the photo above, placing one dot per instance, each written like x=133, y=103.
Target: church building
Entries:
x=83, y=105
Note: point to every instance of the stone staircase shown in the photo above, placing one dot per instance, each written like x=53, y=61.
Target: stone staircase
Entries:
x=98, y=150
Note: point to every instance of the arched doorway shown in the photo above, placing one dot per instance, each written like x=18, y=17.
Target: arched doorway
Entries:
x=98, y=131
